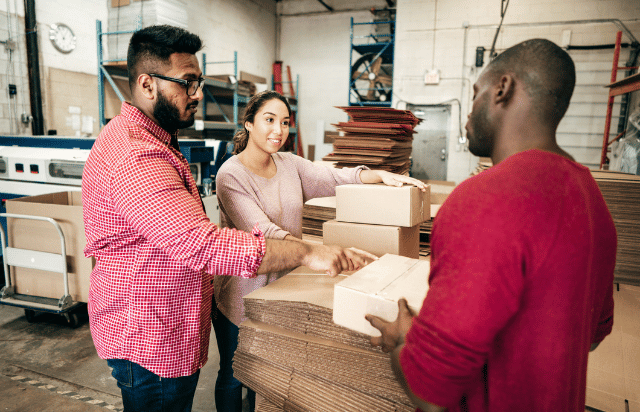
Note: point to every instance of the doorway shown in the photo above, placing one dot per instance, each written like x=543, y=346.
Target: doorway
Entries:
x=430, y=143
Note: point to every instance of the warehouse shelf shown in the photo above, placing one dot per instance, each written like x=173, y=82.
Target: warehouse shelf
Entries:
x=371, y=73
x=616, y=88
x=215, y=91
x=109, y=70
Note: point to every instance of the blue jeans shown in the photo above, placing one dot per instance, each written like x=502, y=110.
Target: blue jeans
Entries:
x=144, y=391
x=228, y=391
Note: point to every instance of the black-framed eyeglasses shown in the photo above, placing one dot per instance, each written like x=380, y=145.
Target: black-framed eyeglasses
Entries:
x=192, y=86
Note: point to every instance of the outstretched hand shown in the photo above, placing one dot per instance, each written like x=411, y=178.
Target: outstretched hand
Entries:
x=335, y=260
x=393, y=179
x=393, y=333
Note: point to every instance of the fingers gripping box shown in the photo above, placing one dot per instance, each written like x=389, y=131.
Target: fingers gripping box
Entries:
x=376, y=289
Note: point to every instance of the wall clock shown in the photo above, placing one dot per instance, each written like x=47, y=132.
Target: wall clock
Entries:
x=62, y=37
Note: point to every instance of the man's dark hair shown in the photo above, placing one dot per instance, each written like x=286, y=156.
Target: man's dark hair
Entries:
x=547, y=72
x=151, y=47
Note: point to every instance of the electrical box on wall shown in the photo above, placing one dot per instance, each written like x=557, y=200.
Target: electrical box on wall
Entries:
x=432, y=77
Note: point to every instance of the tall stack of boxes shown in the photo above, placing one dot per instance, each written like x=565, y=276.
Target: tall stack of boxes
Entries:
x=379, y=219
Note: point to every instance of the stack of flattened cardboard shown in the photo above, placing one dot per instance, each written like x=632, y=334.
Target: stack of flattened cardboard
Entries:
x=315, y=212
x=377, y=137
x=292, y=354
x=621, y=192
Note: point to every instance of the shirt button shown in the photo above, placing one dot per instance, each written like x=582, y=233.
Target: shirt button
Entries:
x=211, y=282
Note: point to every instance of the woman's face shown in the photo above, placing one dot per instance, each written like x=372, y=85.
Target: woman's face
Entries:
x=270, y=128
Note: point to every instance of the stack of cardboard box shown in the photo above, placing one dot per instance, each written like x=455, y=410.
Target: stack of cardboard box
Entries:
x=379, y=219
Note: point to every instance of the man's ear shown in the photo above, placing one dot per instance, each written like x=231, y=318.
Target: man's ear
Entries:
x=147, y=86
x=504, y=89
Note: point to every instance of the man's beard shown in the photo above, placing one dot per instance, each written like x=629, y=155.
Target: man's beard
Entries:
x=168, y=115
x=480, y=136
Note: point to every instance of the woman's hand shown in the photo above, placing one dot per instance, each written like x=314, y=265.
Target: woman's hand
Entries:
x=390, y=179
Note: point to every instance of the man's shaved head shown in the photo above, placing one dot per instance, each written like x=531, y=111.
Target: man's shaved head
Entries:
x=546, y=71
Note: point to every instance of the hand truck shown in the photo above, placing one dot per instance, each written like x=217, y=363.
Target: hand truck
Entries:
x=33, y=259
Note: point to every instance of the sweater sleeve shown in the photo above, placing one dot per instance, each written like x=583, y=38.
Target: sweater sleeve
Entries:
x=241, y=206
x=319, y=180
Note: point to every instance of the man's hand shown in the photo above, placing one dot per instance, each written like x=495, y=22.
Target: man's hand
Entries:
x=393, y=333
x=334, y=259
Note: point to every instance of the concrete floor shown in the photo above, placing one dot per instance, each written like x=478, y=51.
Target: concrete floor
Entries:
x=46, y=366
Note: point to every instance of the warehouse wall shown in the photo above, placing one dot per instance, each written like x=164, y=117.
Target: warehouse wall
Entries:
x=71, y=12
x=430, y=35
x=315, y=43
x=245, y=26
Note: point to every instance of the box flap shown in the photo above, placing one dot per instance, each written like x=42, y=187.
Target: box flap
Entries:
x=379, y=274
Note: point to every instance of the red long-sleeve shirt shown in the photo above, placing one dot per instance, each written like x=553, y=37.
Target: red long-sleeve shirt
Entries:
x=156, y=251
x=521, y=285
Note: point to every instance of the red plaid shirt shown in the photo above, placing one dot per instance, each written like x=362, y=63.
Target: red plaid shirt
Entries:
x=156, y=251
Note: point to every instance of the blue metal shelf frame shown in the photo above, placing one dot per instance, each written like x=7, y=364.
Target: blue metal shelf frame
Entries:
x=237, y=99
x=382, y=49
x=103, y=73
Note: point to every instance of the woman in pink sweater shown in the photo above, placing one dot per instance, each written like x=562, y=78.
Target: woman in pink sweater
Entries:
x=262, y=186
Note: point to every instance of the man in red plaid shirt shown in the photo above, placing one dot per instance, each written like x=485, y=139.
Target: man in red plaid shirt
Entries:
x=156, y=251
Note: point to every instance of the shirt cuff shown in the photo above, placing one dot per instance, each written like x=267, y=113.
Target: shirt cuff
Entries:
x=255, y=260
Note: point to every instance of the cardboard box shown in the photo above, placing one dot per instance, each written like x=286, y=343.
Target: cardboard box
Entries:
x=613, y=373
x=376, y=239
x=376, y=289
x=66, y=209
x=380, y=204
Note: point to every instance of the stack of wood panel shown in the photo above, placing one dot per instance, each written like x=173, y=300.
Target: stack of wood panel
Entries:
x=292, y=354
x=377, y=137
x=621, y=192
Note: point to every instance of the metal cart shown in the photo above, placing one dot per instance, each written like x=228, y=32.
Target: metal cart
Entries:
x=50, y=262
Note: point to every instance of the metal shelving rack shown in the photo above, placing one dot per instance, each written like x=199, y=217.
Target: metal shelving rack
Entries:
x=294, y=106
x=217, y=91
x=373, y=66
x=114, y=70
x=616, y=88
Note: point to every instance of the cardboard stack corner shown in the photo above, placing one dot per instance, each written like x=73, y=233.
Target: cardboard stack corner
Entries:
x=296, y=358
x=376, y=289
x=613, y=373
x=66, y=209
x=379, y=219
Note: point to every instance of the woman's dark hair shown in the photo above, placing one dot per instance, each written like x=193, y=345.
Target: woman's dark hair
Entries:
x=255, y=104
x=153, y=45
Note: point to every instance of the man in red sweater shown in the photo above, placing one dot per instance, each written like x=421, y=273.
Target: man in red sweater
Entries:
x=521, y=282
